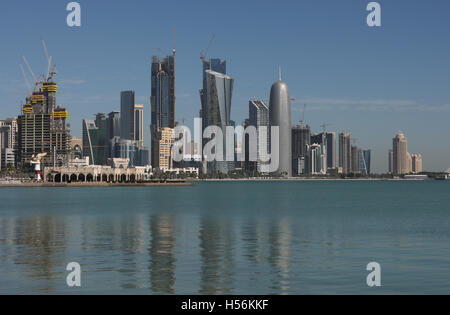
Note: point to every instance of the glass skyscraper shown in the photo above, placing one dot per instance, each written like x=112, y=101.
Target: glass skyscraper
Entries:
x=127, y=115
x=162, y=100
x=219, y=91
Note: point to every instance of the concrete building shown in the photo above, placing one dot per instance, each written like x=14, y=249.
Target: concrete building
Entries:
x=329, y=140
x=416, y=161
x=163, y=149
x=117, y=171
x=345, y=152
x=76, y=148
x=316, y=159
x=127, y=115
x=280, y=115
x=42, y=127
x=400, y=155
x=7, y=156
x=301, y=139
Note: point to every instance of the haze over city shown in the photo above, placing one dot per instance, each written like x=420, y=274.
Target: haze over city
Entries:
x=370, y=82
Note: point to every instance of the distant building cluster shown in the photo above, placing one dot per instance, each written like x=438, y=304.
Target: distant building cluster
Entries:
x=118, y=135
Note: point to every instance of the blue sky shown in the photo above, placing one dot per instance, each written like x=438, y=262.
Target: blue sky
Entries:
x=372, y=82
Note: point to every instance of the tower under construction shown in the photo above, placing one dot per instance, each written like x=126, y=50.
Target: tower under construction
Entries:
x=42, y=127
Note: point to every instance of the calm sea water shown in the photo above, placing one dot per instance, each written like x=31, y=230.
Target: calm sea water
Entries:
x=228, y=238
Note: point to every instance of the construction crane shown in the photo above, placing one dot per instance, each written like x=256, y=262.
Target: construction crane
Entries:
x=205, y=53
x=26, y=79
x=302, y=121
x=324, y=127
x=48, y=58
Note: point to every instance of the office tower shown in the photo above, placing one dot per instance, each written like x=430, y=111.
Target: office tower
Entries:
x=364, y=157
x=216, y=65
x=139, y=124
x=94, y=142
x=301, y=139
x=127, y=115
x=259, y=117
x=331, y=150
x=391, y=161
x=162, y=101
x=219, y=92
x=345, y=153
x=113, y=125
x=42, y=128
x=163, y=149
x=400, y=155
x=280, y=115
x=354, y=159
x=416, y=163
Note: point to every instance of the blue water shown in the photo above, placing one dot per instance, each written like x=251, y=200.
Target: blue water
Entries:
x=311, y=237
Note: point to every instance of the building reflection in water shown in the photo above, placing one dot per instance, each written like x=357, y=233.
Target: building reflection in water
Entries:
x=216, y=248
x=162, y=256
x=132, y=247
x=280, y=240
x=41, y=244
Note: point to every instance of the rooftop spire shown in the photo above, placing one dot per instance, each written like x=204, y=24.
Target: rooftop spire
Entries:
x=279, y=73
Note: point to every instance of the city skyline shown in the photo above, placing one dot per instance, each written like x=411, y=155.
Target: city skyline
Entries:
x=345, y=91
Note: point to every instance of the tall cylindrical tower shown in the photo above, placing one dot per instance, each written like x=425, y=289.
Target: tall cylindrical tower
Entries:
x=280, y=115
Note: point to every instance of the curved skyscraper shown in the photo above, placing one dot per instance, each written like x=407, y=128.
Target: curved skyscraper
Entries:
x=280, y=115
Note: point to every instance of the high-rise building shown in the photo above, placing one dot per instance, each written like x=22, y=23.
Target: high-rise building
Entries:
x=364, y=157
x=330, y=143
x=112, y=131
x=345, y=153
x=163, y=149
x=391, y=161
x=139, y=124
x=354, y=159
x=94, y=142
x=280, y=115
x=400, y=155
x=301, y=139
x=162, y=101
x=331, y=150
x=219, y=92
x=127, y=115
x=416, y=163
x=259, y=117
x=316, y=161
x=42, y=128
x=216, y=65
